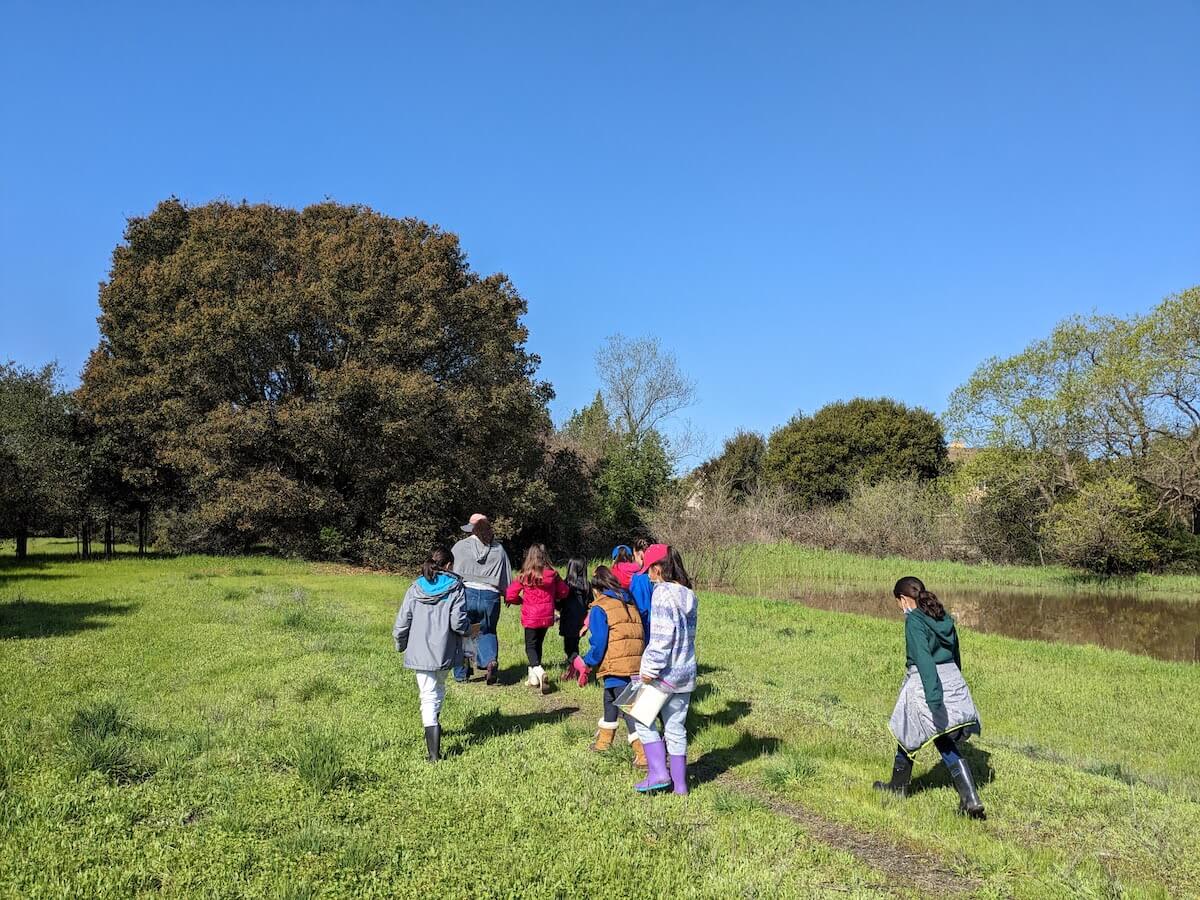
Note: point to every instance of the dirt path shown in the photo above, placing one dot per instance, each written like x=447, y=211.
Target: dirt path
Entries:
x=906, y=869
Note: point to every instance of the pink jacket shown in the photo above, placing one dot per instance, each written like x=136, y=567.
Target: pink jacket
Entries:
x=539, y=600
x=625, y=571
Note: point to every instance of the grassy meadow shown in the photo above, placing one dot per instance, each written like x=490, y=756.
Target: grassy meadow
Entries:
x=765, y=568
x=235, y=727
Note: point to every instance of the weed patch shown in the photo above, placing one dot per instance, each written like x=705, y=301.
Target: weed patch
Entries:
x=101, y=738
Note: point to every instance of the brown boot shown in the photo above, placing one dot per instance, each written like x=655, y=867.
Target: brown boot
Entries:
x=604, y=737
x=639, y=754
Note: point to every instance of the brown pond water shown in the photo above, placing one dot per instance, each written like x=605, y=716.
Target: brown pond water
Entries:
x=1162, y=629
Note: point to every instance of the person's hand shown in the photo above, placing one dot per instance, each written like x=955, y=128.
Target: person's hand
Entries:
x=646, y=679
x=473, y=631
x=584, y=629
x=580, y=668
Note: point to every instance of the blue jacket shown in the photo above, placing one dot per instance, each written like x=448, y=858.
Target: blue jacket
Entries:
x=642, y=589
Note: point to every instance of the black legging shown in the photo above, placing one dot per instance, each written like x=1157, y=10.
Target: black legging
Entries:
x=611, y=710
x=534, y=639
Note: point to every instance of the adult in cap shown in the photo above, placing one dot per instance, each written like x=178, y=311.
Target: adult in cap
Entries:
x=480, y=560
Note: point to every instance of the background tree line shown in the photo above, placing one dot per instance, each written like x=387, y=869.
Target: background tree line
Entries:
x=1082, y=449
x=336, y=383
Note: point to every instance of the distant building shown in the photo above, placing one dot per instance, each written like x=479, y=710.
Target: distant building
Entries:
x=960, y=452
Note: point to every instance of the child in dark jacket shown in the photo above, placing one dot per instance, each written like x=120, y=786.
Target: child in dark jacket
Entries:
x=573, y=612
x=935, y=704
x=429, y=632
x=539, y=591
x=615, y=646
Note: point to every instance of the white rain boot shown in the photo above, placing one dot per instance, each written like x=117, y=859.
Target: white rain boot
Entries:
x=532, y=680
x=543, y=681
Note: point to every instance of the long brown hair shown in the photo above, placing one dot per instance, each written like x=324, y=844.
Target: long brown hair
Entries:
x=914, y=589
x=672, y=569
x=537, y=561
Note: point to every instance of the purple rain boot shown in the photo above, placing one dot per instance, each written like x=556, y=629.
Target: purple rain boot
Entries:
x=657, y=776
x=679, y=772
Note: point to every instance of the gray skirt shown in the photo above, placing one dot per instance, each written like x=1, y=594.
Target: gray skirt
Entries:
x=913, y=724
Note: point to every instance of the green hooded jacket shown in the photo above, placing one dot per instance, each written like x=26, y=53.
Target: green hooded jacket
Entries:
x=930, y=642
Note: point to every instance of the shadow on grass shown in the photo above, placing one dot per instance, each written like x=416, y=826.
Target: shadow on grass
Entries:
x=715, y=763
x=37, y=618
x=496, y=723
x=937, y=777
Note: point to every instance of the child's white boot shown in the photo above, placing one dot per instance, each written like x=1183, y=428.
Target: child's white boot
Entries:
x=543, y=679
x=532, y=679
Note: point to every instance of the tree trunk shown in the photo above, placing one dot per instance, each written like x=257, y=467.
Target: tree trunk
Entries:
x=87, y=537
x=22, y=542
x=143, y=516
x=108, y=538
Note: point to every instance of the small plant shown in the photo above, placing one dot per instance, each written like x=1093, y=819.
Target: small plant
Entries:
x=318, y=759
x=317, y=686
x=100, y=740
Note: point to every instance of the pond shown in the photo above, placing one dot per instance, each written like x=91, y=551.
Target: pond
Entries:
x=1161, y=629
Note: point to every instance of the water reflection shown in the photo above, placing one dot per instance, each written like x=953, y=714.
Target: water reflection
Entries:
x=1157, y=628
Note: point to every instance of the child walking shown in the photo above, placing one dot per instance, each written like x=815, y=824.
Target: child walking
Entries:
x=615, y=646
x=669, y=663
x=429, y=632
x=624, y=566
x=538, y=590
x=574, y=609
x=935, y=704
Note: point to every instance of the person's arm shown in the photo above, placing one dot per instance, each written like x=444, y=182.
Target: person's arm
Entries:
x=642, y=588
x=505, y=570
x=562, y=590
x=512, y=593
x=657, y=655
x=403, y=624
x=917, y=645
x=957, y=656
x=597, y=638
x=459, y=621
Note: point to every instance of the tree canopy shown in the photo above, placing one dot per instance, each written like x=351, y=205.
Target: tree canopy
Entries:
x=325, y=378
x=820, y=458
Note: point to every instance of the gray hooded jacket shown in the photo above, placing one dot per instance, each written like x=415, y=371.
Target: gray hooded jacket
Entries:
x=431, y=623
x=482, y=563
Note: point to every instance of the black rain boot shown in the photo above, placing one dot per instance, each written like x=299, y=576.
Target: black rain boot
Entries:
x=433, y=742
x=901, y=776
x=969, y=803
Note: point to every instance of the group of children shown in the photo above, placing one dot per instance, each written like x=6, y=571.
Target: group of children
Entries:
x=640, y=618
x=639, y=614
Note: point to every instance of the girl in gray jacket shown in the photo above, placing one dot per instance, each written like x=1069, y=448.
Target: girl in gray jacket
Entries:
x=429, y=632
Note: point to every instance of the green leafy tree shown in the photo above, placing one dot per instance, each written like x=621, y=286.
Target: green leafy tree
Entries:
x=321, y=380
x=737, y=470
x=1102, y=528
x=820, y=458
x=40, y=464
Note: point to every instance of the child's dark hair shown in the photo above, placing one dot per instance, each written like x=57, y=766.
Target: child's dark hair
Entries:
x=914, y=589
x=577, y=573
x=640, y=545
x=673, y=570
x=604, y=581
x=623, y=554
x=435, y=562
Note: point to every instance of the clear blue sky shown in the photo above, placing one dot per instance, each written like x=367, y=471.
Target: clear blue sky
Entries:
x=806, y=201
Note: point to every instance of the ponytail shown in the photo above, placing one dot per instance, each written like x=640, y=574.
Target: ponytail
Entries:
x=435, y=563
x=673, y=570
x=914, y=589
x=929, y=604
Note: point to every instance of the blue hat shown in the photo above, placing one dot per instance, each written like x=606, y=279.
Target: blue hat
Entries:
x=617, y=550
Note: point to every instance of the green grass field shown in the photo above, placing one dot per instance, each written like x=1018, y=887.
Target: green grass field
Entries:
x=241, y=727
x=764, y=568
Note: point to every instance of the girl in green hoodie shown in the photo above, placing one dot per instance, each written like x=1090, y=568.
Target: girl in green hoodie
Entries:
x=935, y=704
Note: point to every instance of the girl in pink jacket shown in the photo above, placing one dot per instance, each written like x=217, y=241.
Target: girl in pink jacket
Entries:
x=539, y=591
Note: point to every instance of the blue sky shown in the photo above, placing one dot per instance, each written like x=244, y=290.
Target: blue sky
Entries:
x=806, y=202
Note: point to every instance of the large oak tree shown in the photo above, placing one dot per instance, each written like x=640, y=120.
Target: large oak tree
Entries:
x=326, y=380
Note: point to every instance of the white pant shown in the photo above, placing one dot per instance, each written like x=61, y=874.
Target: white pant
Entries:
x=431, y=687
x=674, y=717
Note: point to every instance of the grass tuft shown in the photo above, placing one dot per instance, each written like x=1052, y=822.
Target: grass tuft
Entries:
x=317, y=756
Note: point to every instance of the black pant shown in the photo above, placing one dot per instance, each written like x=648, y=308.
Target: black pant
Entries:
x=534, y=639
x=611, y=711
